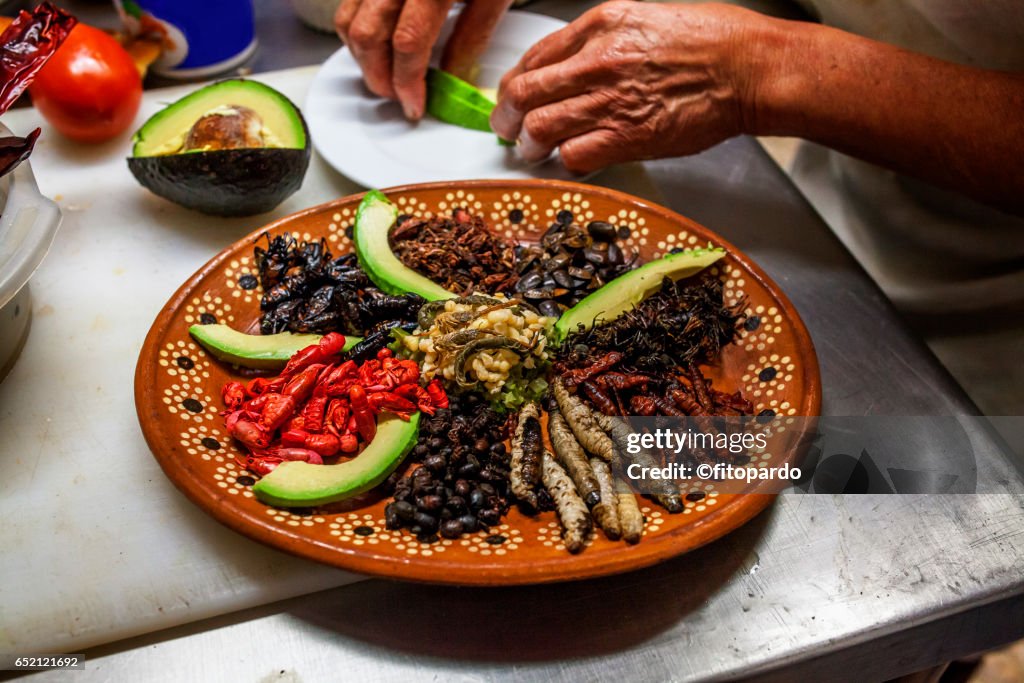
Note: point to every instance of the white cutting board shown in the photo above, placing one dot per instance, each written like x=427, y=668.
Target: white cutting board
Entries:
x=95, y=544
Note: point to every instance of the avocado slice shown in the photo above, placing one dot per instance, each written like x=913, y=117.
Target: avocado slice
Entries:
x=234, y=148
x=453, y=100
x=629, y=289
x=262, y=352
x=301, y=484
x=375, y=217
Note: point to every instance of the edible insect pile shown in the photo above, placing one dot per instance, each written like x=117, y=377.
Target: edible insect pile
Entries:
x=647, y=361
x=306, y=289
x=459, y=252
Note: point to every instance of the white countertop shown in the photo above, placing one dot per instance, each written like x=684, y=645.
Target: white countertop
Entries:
x=98, y=545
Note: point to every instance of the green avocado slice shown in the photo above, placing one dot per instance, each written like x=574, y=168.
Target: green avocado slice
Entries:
x=375, y=217
x=629, y=289
x=301, y=484
x=262, y=352
x=453, y=100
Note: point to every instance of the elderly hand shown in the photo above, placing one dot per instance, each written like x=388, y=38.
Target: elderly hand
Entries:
x=630, y=80
x=392, y=41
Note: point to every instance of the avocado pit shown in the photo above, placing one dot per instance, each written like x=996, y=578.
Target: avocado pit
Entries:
x=227, y=126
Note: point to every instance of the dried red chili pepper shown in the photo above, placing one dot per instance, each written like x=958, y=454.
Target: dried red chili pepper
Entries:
x=24, y=47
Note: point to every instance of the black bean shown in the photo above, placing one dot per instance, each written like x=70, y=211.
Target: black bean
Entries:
x=391, y=518
x=435, y=462
x=564, y=217
x=695, y=496
x=584, y=273
x=498, y=449
x=489, y=516
x=752, y=323
x=207, y=319
x=496, y=539
x=363, y=530
x=451, y=529
x=245, y=480
x=462, y=488
x=477, y=499
x=436, y=443
x=602, y=231
x=426, y=537
x=430, y=503
x=624, y=232
x=515, y=216
x=403, y=509
x=248, y=281
x=768, y=374
x=487, y=489
x=420, y=451
x=456, y=503
x=469, y=470
x=425, y=522
x=469, y=523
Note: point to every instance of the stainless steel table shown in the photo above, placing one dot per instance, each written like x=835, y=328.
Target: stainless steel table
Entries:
x=839, y=588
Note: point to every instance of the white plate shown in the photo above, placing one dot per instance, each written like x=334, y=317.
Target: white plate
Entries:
x=368, y=139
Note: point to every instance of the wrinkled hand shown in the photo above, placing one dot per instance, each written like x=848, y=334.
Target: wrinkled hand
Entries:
x=630, y=80
x=392, y=41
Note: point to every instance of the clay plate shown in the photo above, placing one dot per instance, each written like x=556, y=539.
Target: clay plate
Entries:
x=177, y=395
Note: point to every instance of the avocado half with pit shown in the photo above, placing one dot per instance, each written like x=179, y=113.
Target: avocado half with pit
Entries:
x=233, y=148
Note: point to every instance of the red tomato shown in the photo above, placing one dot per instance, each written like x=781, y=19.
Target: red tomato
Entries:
x=89, y=90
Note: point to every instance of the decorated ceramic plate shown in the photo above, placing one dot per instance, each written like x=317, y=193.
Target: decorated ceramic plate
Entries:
x=177, y=394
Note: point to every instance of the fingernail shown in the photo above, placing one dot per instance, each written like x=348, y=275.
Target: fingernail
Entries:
x=411, y=112
x=505, y=120
x=530, y=149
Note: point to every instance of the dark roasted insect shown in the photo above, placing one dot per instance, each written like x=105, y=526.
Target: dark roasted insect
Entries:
x=459, y=252
x=375, y=340
x=306, y=289
x=647, y=361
